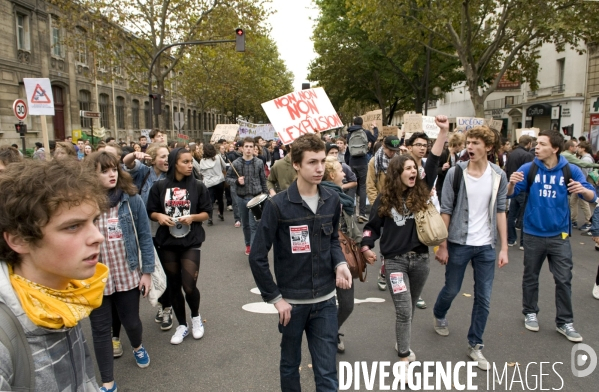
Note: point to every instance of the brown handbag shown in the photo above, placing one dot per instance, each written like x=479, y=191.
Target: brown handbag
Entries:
x=354, y=257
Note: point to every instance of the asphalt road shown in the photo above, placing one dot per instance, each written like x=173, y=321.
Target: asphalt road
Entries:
x=240, y=349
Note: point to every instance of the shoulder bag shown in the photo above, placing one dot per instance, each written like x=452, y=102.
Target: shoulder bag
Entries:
x=430, y=226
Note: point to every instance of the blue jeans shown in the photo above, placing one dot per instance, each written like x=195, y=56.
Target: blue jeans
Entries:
x=234, y=204
x=248, y=222
x=517, y=206
x=483, y=266
x=320, y=323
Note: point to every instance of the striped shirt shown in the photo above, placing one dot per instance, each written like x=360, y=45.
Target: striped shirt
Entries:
x=114, y=255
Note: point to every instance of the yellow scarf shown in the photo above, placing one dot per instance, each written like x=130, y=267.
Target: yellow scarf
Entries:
x=57, y=309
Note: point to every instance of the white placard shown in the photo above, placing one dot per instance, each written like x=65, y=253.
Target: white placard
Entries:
x=465, y=123
x=39, y=96
x=429, y=126
x=266, y=131
x=301, y=112
x=224, y=131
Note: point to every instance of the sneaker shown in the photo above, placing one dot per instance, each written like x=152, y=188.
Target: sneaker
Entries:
x=569, y=332
x=362, y=219
x=229, y=208
x=247, y=250
x=113, y=389
x=411, y=357
x=220, y=217
x=521, y=247
x=340, y=345
x=180, y=334
x=210, y=223
x=596, y=291
x=141, y=357
x=530, y=322
x=476, y=354
x=238, y=224
x=158, y=317
x=167, y=319
x=586, y=227
x=197, y=327
x=420, y=304
x=117, y=347
x=597, y=247
x=575, y=225
x=511, y=243
x=442, y=327
x=382, y=283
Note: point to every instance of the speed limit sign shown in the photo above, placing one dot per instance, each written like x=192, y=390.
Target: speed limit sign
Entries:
x=20, y=109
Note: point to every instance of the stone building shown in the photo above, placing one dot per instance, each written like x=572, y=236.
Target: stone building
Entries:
x=31, y=46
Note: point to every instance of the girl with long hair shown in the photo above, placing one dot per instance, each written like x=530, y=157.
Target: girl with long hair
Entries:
x=129, y=254
x=180, y=203
x=213, y=170
x=407, y=264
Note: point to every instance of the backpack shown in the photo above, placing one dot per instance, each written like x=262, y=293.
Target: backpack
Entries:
x=532, y=172
x=12, y=336
x=358, y=143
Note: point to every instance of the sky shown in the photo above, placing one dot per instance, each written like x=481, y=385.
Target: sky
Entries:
x=291, y=30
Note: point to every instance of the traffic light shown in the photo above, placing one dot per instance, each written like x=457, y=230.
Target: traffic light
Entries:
x=157, y=103
x=569, y=130
x=21, y=128
x=239, y=40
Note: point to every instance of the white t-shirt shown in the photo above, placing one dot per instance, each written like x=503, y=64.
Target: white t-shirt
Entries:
x=479, y=192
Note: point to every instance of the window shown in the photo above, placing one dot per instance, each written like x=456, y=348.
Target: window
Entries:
x=80, y=46
x=195, y=119
x=135, y=114
x=561, y=67
x=23, y=32
x=104, y=108
x=167, y=117
x=120, y=112
x=205, y=123
x=189, y=120
x=85, y=104
x=147, y=114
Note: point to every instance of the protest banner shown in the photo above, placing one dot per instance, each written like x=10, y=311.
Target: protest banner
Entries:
x=266, y=131
x=412, y=122
x=182, y=138
x=465, y=123
x=146, y=133
x=429, y=126
x=533, y=132
x=224, y=131
x=301, y=112
x=375, y=116
x=494, y=124
x=390, y=131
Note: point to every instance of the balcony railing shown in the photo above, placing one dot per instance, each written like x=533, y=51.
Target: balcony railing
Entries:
x=545, y=91
x=504, y=102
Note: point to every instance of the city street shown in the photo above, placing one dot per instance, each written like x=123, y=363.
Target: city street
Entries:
x=240, y=349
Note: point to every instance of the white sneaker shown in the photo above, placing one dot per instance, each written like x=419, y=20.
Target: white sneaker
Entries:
x=596, y=292
x=197, y=327
x=476, y=354
x=180, y=334
x=411, y=357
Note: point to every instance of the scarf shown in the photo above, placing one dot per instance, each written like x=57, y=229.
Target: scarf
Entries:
x=56, y=309
x=346, y=201
x=114, y=196
x=381, y=162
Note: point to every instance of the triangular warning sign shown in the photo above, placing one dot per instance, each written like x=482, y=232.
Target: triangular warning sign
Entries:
x=39, y=95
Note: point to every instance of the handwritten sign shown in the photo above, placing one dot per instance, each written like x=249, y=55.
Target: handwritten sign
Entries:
x=465, y=123
x=375, y=116
x=224, y=131
x=494, y=124
x=301, y=112
x=532, y=132
x=412, y=122
x=390, y=131
x=266, y=131
x=429, y=126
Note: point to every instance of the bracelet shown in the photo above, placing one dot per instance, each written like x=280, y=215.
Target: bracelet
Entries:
x=364, y=249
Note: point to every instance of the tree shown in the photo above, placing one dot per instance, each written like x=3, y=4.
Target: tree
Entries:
x=489, y=38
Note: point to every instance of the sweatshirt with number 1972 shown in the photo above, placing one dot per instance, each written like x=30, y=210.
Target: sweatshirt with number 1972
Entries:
x=547, y=211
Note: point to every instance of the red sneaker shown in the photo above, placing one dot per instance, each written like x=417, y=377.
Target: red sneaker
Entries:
x=247, y=250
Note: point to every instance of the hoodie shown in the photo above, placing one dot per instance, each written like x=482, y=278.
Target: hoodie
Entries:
x=547, y=211
x=212, y=171
x=61, y=358
x=360, y=161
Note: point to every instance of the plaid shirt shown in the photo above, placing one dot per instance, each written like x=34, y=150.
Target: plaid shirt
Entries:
x=254, y=177
x=114, y=255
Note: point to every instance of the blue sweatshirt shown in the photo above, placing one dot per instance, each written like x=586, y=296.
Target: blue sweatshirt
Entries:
x=547, y=211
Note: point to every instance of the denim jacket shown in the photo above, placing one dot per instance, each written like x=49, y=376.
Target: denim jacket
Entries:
x=299, y=275
x=142, y=223
x=138, y=172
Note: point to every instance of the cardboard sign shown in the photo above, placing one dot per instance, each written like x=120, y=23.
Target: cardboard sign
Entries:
x=39, y=96
x=465, y=123
x=224, y=131
x=494, y=124
x=301, y=112
x=375, y=116
x=266, y=131
x=533, y=132
x=390, y=131
x=412, y=122
x=146, y=133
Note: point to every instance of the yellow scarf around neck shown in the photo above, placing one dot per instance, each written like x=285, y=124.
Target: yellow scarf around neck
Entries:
x=56, y=309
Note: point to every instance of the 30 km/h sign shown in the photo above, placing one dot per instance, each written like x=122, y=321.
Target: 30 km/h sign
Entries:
x=19, y=107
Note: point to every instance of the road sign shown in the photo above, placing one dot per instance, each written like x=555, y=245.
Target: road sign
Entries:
x=19, y=107
x=179, y=120
x=88, y=114
x=39, y=96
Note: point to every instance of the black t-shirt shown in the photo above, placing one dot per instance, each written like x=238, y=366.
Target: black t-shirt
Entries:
x=174, y=202
x=399, y=231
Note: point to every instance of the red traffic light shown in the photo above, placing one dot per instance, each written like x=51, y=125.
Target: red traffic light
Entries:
x=239, y=40
x=239, y=31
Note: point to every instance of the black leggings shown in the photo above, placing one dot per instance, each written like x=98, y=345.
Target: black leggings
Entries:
x=182, y=267
x=216, y=193
x=126, y=304
x=597, y=277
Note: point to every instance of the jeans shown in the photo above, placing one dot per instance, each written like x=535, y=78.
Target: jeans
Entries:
x=415, y=268
x=345, y=298
x=234, y=203
x=248, y=222
x=559, y=255
x=483, y=266
x=517, y=206
x=361, y=172
x=127, y=306
x=320, y=323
